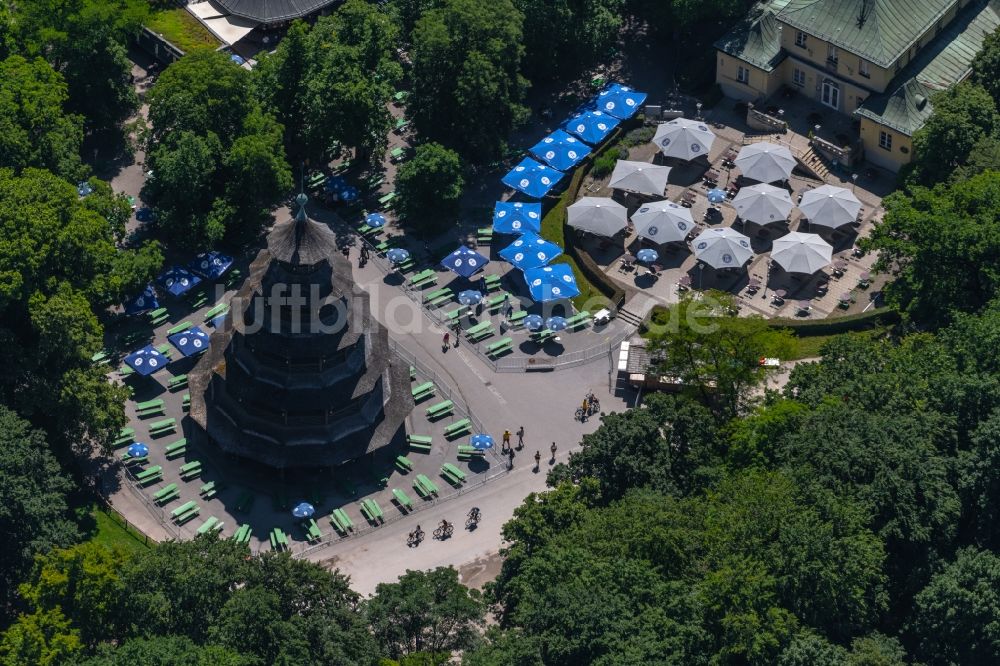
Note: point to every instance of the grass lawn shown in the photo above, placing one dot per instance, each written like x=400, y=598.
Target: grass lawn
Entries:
x=810, y=346
x=108, y=530
x=181, y=29
x=552, y=230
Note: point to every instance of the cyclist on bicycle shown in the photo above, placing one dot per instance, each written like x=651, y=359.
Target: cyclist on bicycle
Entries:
x=474, y=514
x=444, y=525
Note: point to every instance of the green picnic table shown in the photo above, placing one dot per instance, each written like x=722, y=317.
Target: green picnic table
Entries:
x=396, y=154
x=440, y=409
x=187, y=506
x=401, y=124
x=386, y=199
x=402, y=499
x=213, y=312
x=423, y=391
x=400, y=96
x=211, y=524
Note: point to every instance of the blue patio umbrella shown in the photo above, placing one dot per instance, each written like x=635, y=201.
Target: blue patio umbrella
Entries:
x=144, y=214
x=560, y=150
x=481, y=441
x=349, y=194
x=470, y=297
x=237, y=59
x=464, y=261
x=530, y=251
x=591, y=126
x=303, y=510
x=647, y=256
x=716, y=195
x=397, y=255
x=211, y=265
x=190, y=342
x=143, y=302
x=218, y=322
x=138, y=450
x=534, y=322
x=551, y=283
x=555, y=323
x=178, y=281
x=146, y=361
x=83, y=188
x=334, y=184
x=619, y=101
x=532, y=178
x=515, y=217
x=375, y=220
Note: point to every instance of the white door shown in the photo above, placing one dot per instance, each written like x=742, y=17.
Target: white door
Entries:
x=831, y=95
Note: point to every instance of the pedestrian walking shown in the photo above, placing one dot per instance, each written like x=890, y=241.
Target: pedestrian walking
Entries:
x=510, y=459
x=457, y=328
x=506, y=439
x=553, y=449
x=446, y=342
x=520, y=438
x=538, y=459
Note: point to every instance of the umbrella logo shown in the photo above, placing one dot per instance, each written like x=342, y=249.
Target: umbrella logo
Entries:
x=545, y=180
x=519, y=256
x=516, y=224
x=518, y=205
x=153, y=362
x=519, y=242
x=183, y=341
x=140, y=301
x=727, y=258
x=502, y=213
x=170, y=282
x=204, y=264
x=548, y=139
x=533, y=215
x=549, y=155
x=572, y=154
x=701, y=246
x=644, y=209
x=609, y=106
x=541, y=255
x=556, y=290
x=695, y=147
x=138, y=361
x=702, y=128
x=744, y=244
x=523, y=182
x=458, y=262
x=630, y=101
x=217, y=262
x=581, y=127
x=567, y=278
x=473, y=262
x=665, y=142
x=520, y=168
x=651, y=231
x=682, y=225
x=196, y=342
x=184, y=281
x=602, y=127
x=536, y=282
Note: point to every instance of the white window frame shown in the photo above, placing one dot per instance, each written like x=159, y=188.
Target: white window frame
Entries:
x=885, y=140
x=832, y=55
x=800, y=39
x=863, y=68
x=743, y=75
x=798, y=77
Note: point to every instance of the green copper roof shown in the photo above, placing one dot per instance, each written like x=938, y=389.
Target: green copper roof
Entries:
x=947, y=60
x=756, y=40
x=877, y=30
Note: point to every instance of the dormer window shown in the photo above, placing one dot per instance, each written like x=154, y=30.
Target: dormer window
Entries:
x=863, y=68
x=800, y=39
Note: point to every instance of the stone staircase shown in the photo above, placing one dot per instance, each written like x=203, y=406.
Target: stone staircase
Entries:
x=813, y=162
x=630, y=317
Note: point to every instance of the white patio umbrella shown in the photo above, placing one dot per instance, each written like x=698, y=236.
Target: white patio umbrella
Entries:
x=722, y=248
x=598, y=215
x=663, y=221
x=830, y=206
x=766, y=162
x=683, y=138
x=797, y=252
x=641, y=177
x=763, y=203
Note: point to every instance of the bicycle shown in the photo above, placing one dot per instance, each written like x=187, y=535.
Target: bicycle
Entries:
x=473, y=519
x=415, y=537
x=444, y=531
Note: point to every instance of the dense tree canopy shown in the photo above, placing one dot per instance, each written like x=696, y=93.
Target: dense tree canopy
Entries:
x=467, y=86
x=563, y=37
x=429, y=187
x=217, y=159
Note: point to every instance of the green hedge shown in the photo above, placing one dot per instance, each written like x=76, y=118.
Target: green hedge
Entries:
x=833, y=325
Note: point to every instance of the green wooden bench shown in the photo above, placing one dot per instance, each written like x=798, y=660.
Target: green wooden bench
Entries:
x=493, y=303
x=457, y=313
x=371, y=511
x=156, y=314
x=149, y=472
x=441, y=409
x=386, y=199
x=217, y=311
x=150, y=480
x=235, y=275
x=388, y=244
x=405, y=265
x=208, y=490
x=186, y=402
x=126, y=370
x=397, y=154
x=133, y=460
x=198, y=299
x=278, y=539
x=427, y=272
x=179, y=328
x=431, y=295
x=400, y=96
x=483, y=333
x=465, y=450
x=413, y=373
x=478, y=328
x=166, y=493
x=190, y=470
x=577, y=320
x=402, y=499
x=313, y=532
x=212, y=524
x=245, y=501
x=177, y=382
x=341, y=521
x=425, y=390
x=163, y=427
x=149, y=408
x=125, y=437
x=421, y=443
x=452, y=474
x=102, y=357
x=492, y=282
x=165, y=349
x=148, y=404
x=516, y=318
x=429, y=486
x=425, y=281
x=401, y=124
x=484, y=236
x=243, y=534
x=501, y=346
x=404, y=464
x=188, y=515
x=187, y=506
x=458, y=428
x=176, y=449
x=541, y=336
